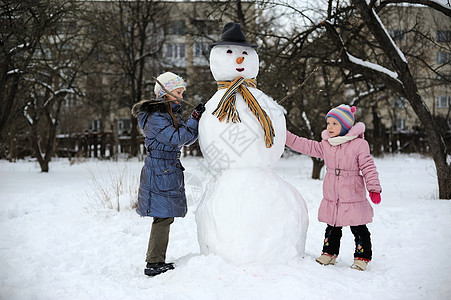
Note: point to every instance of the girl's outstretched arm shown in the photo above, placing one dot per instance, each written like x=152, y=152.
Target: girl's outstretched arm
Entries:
x=304, y=146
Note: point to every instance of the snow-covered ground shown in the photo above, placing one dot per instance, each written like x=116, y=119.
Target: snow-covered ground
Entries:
x=60, y=240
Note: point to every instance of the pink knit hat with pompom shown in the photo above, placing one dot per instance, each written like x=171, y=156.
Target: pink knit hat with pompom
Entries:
x=345, y=115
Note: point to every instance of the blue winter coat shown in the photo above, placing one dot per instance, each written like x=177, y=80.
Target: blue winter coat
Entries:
x=162, y=189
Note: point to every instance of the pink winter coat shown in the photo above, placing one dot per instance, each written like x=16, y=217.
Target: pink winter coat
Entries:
x=347, y=165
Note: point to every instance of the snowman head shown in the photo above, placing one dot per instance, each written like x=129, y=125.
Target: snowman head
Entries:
x=228, y=62
x=233, y=56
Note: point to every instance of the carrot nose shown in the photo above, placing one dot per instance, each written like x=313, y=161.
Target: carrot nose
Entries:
x=239, y=60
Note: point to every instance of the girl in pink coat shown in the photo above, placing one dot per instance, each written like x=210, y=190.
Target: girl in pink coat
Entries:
x=349, y=167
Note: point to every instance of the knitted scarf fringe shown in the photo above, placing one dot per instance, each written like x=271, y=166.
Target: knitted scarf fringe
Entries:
x=226, y=109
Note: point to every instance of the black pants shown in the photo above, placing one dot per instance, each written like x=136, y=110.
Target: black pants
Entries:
x=362, y=238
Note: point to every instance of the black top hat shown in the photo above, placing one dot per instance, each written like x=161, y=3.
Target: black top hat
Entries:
x=233, y=35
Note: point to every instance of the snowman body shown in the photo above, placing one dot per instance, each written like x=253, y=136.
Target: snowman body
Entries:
x=241, y=145
x=248, y=214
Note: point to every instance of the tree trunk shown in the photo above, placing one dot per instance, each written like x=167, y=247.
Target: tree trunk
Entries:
x=437, y=145
x=410, y=91
x=317, y=166
x=36, y=146
x=50, y=138
x=134, y=141
x=378, y=133
x=115, y=149
x=7, y=99
x=44, y=166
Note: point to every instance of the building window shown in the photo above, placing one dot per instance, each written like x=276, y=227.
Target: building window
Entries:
x=44, y=52
x=444, y=77
x=443, y=36
x=94, y=125
x=397, y=34
x=400, y=123
x=124, y=126
x=200, y=49
x=175, y=51
x=177, y=28
x=70, y=100
x=206, y=27
x=443, y=57
x=400, y=102
x=66, y=27
x=443, y=101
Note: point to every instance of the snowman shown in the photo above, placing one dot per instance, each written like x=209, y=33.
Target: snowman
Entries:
x=247, y=214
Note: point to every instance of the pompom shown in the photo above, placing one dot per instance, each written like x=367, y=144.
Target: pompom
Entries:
x=353, y=109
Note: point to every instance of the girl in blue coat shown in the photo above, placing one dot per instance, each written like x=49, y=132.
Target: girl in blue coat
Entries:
x=162, y=191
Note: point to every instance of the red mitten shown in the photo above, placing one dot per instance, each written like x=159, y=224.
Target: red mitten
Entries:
x=375, y=197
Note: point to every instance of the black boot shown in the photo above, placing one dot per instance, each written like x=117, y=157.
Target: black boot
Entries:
x=153, y=269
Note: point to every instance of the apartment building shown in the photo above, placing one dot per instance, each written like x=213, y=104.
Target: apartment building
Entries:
x=191, y=26
x=425, y=33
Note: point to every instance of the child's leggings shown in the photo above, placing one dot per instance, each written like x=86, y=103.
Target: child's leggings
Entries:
x=362, y=238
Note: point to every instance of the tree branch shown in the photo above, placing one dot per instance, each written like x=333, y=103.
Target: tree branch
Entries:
x=432, y=4
x=356, y=68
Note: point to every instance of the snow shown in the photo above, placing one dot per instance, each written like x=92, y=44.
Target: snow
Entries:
x=58, y=242
x=21, y=46
x=69, y=91
x=232, y=218
x=444, y=3
x=373, y=66
x=239, y=145
x=223, y=62
x=401, y=55
x=27, y=115
x=307, y=124
x=15, y=71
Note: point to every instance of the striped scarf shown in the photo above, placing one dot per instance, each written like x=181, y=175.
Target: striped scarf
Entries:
x=227, y=106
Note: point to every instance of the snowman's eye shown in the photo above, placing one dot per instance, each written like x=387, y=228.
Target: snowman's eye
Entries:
x=245, y=52
x=229, y=51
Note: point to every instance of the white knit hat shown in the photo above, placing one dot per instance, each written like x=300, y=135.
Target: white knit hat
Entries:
x=170, y=81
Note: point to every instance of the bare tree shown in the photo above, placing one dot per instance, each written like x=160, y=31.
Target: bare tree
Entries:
x=133, y=34
x=56, y=64
x=206, y=21
x=397, y=76
x=366, y=56
x=23, y=25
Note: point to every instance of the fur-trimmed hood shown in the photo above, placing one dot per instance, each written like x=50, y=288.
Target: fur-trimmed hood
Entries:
x=147, y=106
